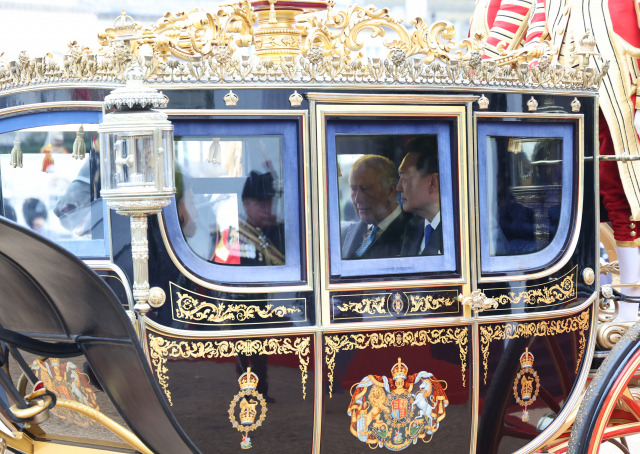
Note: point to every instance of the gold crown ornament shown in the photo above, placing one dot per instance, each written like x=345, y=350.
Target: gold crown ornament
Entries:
x=231, y=99
x=526, y=359
x=125, y=26
x=248, y=380
x=399, y=370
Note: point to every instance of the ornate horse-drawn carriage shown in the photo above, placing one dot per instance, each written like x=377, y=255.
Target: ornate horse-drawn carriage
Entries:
x=394, y=252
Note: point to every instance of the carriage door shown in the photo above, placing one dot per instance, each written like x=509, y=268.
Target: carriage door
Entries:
x=535, y=249
x=397, y=345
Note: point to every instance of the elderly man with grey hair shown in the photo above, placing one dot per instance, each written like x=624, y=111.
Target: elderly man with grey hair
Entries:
x=380, y=231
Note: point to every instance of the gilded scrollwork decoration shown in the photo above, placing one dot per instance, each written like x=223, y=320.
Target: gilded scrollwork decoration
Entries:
x=375, y=305
x=313, y=44
x=423, y=303
x=555, y=292
x=393, y=304
x=578, y=323
x=195, y=308
x=162, y=349
x=337, y=343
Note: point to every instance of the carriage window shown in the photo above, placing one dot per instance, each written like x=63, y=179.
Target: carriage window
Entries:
x=237, y=200
x=388, y=209
x=524, y=196
x=235, y=216
x=392, y=212
x=50, y=192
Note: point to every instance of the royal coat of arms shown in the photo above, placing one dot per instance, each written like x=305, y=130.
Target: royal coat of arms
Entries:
x=66, y=381
x=397, y=412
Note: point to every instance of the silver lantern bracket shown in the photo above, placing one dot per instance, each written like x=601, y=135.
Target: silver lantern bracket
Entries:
x=136, y=163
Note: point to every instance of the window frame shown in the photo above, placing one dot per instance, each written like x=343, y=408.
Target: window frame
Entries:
x=220, y=276
x=564, y=127
x=446, y=129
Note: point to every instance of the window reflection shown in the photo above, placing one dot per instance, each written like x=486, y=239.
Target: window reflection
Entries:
x=53, y=194
x=524, y=182
x=389, y=196
x=230, y=198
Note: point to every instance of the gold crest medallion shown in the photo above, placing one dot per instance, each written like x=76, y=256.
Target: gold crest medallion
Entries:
x=247, y=400
x=527, y=383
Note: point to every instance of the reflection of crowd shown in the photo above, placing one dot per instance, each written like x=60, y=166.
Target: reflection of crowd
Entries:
x=385, y=228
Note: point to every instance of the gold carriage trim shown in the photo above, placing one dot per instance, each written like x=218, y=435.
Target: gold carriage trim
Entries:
x=162, y=349
x=372, y=306
x=334, y=344
x=298, y=44
x=490, y=333
x=548, y=294
x=201, y=309
x=424, y=303
x=394, y=303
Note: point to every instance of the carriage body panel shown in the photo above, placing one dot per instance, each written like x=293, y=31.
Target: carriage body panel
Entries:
x=484, y=345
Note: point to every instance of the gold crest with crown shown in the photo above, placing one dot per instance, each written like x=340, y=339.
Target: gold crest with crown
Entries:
x=396, y=412
x=247, y=400
x=527, y=383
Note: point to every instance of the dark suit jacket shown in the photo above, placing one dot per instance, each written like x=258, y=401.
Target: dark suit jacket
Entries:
x=413, y=234
x=388, y=244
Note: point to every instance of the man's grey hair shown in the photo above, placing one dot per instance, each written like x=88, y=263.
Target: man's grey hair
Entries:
x=386, y=167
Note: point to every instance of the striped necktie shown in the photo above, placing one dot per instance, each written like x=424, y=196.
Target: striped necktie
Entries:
x=367, y=241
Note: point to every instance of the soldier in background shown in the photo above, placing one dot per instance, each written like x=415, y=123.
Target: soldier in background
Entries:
x=259, y=239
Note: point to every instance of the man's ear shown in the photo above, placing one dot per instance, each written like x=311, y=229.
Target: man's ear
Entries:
x=435, y=181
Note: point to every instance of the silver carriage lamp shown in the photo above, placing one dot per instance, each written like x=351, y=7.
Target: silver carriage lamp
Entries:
x=136, y=162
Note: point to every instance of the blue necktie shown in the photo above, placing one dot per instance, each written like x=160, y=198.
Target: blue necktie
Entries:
x=428, y=230
x=367, y=241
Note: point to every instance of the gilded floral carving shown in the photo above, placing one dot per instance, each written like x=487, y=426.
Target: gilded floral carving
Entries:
x=371, y=306
x=395, y=303
x=202, y=47
x=189, y=308
x=423, y=303
x=161, y=349
x=577, y=323
x=555, y=292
